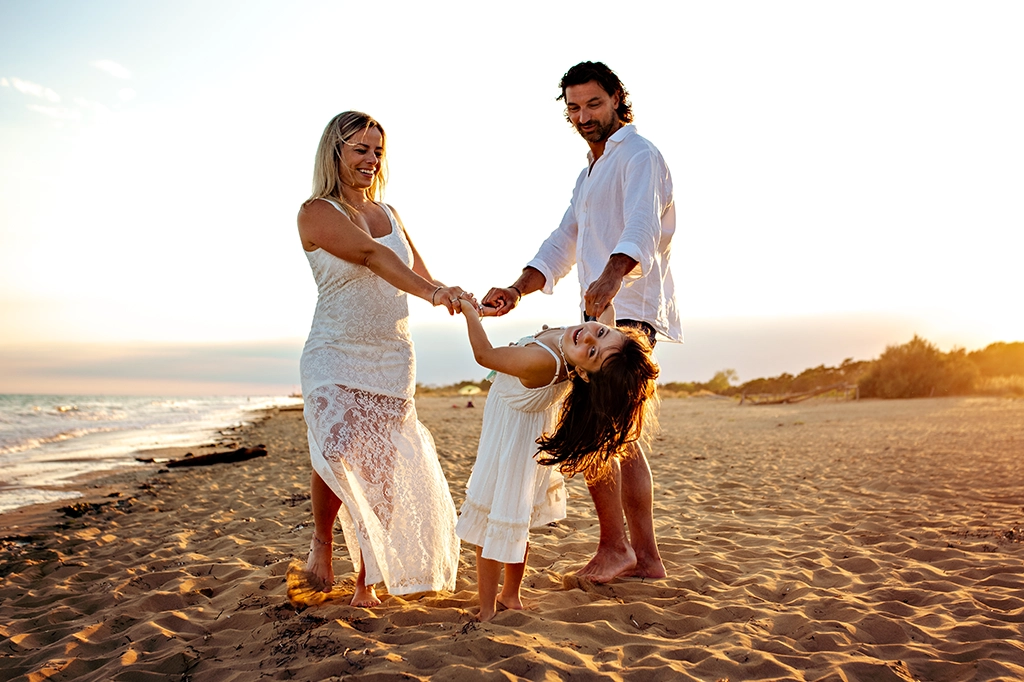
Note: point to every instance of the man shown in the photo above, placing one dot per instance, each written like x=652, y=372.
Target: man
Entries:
x=618, y=231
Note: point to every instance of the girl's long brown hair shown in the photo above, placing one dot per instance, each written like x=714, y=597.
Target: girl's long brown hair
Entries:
x=601, y=416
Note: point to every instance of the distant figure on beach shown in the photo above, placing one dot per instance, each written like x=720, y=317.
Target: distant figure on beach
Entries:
x=374, y=465
x=602, y=378
x=618, y=231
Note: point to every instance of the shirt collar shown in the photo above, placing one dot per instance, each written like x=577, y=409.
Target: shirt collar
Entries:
x=617, y=137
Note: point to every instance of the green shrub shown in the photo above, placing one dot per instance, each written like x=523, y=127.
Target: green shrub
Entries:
x=1000, y=359
x=1012, y=386
x=918, y=369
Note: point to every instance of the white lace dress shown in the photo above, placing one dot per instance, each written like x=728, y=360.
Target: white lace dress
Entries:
x=358, y=380
x=508, y=491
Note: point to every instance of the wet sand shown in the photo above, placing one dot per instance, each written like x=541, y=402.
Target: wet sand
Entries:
x=871, y=540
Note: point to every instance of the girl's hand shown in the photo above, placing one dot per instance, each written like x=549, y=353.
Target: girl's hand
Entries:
x=469, y=306
x=489, y=311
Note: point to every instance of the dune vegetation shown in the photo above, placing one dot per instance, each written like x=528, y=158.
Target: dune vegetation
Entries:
x=915, y=369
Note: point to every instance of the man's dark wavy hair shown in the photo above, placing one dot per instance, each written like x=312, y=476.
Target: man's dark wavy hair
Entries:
x=601, y=416
x=584, y=72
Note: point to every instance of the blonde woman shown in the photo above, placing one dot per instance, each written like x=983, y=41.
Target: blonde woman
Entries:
x=374, y=465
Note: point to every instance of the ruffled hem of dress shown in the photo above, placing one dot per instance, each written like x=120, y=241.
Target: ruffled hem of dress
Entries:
x=503, y=540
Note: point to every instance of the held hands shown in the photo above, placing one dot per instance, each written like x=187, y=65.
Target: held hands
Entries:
x=469, y=308
x=453, y=298
x=499, y=301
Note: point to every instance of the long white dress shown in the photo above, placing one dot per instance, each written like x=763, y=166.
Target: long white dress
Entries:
x=508, y=491
x=365, y=442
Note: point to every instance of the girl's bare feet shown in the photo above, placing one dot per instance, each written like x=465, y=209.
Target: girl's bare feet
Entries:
x=511, y=602
x=320, y=564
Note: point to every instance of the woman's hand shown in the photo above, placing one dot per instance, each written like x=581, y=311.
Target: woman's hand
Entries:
x=452, y=298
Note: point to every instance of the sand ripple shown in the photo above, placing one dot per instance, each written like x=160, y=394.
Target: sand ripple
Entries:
x=822, y=541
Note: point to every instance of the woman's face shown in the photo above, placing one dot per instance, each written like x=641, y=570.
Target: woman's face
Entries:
x=360, y=160
x=588, y=345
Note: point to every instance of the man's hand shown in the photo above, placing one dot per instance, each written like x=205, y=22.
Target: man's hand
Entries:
x=498, y=301
x=603, y=289
x=501, y=300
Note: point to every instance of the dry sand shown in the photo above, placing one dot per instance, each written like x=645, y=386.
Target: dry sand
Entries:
x=872, y=540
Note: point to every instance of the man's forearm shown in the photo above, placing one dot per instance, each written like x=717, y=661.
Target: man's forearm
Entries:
x=529, y=281
x=618, y=266
x=603, y=289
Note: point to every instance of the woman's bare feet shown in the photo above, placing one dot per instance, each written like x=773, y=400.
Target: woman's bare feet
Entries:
x=320, y=564
x=365, y=596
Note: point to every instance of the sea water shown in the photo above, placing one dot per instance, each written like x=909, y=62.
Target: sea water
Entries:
x=48, y=440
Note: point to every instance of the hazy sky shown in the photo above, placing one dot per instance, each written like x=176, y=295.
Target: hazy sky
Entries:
x=847, y=174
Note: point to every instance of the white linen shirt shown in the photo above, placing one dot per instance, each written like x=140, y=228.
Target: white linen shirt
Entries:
x=621, y=204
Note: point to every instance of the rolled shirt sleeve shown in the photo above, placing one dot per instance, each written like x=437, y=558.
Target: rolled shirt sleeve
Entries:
x=557, y=254
x=643, y=203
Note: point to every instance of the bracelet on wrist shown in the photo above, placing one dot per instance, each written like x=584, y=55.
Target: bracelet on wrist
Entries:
x=513, y=286
x=434, y=294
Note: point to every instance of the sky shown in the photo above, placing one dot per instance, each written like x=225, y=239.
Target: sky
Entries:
x=846, y=175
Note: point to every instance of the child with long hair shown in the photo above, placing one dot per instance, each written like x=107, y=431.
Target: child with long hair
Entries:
x=603, y=378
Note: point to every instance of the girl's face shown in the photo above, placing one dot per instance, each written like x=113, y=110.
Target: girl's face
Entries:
x=360, y=160
x=588, y=345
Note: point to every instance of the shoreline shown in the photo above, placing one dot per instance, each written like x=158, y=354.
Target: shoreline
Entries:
x=103, y=485
x=135, y=461
x=868, y=540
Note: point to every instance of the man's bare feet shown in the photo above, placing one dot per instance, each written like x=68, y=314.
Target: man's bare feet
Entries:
x=485, y=614
x=320, y=564
x=648, y=567
x=608, y=564
x=365, y=596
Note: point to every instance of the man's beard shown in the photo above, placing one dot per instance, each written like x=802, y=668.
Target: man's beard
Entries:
x=599, y=133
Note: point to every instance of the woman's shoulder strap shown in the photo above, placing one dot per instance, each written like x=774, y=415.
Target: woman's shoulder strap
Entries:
x=336, y=204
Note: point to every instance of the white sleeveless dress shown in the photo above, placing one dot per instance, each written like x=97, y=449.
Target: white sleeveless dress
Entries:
x=365, y=442
x=508, y=491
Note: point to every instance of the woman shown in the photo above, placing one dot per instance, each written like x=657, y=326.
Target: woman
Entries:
x=374, y=464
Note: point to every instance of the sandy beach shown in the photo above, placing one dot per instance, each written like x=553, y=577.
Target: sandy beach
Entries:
x=840, y=541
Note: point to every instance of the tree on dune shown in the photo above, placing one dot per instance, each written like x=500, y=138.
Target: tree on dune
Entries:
x=919, y=369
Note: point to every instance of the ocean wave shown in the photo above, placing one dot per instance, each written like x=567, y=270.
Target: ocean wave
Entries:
x=40, y=441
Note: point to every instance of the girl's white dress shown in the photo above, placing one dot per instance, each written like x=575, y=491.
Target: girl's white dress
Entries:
x=508, y=491
x=365, y=442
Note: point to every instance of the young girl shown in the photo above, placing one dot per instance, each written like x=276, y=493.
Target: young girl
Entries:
x=612, y=379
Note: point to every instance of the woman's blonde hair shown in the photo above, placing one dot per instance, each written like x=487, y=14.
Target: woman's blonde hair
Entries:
x=326, y=170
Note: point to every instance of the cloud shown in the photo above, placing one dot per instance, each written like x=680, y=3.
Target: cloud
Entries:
x=126, y=94
x=33, y=89
x=89, y=105
x=113, y=68
x=255, y=367
x=4, y=83
x=57, y=113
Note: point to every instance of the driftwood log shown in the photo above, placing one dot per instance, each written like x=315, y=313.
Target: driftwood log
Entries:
x=239, y=455
x=797, y=397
